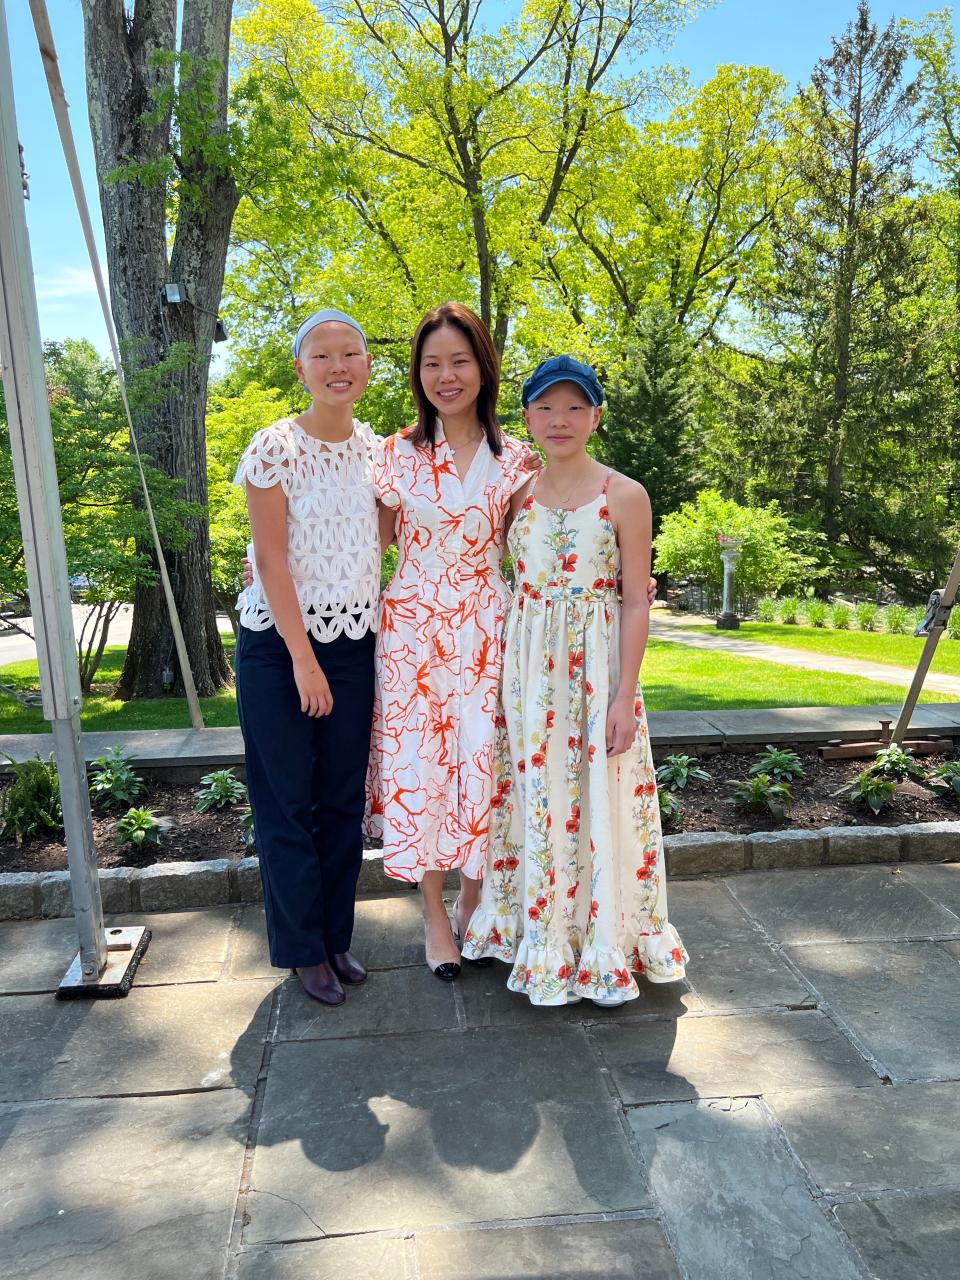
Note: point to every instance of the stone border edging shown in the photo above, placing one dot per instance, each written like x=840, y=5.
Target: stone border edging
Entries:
x=178, y=886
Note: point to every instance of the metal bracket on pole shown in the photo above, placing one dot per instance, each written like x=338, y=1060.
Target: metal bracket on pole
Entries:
x=933, y=626
x=38, y=498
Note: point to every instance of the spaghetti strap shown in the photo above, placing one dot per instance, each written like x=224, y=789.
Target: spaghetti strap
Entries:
x=606, y=483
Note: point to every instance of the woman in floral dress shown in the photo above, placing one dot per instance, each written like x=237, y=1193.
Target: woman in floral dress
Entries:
x=445, y=486
x=574, y=896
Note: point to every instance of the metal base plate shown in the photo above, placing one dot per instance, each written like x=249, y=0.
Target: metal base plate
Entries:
x=125, y=947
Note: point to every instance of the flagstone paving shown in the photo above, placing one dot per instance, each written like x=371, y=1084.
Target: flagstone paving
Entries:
x=790, y=1111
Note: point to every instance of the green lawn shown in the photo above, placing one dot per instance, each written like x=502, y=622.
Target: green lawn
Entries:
x=895, y=651
x=101, y=711
x=674, y=678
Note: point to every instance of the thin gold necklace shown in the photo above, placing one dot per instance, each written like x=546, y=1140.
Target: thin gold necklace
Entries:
x=565, y=502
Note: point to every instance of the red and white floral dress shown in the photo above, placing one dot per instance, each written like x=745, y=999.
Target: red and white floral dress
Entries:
x=439, y=655
x=574, y=896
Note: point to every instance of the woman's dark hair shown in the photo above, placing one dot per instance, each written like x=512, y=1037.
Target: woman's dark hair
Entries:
x=481, y=344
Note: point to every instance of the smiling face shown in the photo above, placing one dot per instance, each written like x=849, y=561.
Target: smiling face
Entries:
x=449, y=371
x=333, y=364
x=562, y=419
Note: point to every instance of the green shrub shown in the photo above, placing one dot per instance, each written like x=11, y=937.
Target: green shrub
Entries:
x=775, y=552
x=874, y=790
x=139, y=826
x=767, y=609
x=897, y=618
x=218, y=790
x=677, y=771
x=31, y=802
x=953, y=622
x=113, y=783
x=866, y=615
x=790, y=611
x=946, y=779
x=671, y=811
x=816, y=612
x=761, y=793
x=779, y=763
x=895, y=762
x=840, y=616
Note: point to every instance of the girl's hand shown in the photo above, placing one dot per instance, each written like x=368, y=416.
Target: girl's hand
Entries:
x=651, y=589
x=532, y=461
x=621, y=726
x=315, y=696
x=247, y=572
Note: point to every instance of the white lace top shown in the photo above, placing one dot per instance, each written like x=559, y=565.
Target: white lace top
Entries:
x=332, y=537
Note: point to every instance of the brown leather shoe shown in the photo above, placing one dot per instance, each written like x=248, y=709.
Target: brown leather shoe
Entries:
x=348, y=969
x=321, y=983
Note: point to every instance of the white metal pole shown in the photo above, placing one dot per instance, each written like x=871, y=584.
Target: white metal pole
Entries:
x=938, y=625
x=31, y=443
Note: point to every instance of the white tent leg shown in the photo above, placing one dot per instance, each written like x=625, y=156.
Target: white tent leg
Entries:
x=31, y=443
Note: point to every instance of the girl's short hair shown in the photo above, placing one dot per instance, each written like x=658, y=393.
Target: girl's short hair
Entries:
x=481, y=344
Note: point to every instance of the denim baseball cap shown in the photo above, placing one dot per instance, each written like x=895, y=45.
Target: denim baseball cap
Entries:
x=562, y=369
x=324, y=317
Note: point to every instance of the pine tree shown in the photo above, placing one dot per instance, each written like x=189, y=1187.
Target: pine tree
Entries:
x=648, y=426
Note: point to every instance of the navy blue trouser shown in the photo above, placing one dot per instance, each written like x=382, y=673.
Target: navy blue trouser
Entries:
x=305, y=777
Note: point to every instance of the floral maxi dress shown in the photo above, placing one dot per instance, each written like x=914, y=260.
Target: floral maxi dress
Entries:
x=574, y=894
x=439, y=656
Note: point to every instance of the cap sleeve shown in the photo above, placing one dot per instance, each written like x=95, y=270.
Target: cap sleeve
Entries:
x=515, y=473
x=385, y=475
x=269, y=459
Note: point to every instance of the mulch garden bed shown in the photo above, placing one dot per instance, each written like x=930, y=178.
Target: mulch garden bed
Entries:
x=192, y=836
x=706, y=807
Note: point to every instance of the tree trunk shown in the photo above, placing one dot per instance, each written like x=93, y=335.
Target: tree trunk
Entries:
x=122, y=78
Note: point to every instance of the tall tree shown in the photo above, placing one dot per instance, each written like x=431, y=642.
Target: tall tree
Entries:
x=684, y=217
x=848, y=345
x=848, y=247
x=452, y=139
x=648, y=428
x=934, y=44
x=157, y=98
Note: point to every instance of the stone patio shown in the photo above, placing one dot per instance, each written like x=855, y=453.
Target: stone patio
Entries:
x=792, y=1111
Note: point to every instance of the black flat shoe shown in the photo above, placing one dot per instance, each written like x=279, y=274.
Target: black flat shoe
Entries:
x=447, y=972
x=321, y=984
x=348, y=969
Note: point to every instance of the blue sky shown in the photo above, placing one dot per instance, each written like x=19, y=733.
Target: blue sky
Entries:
x=787, y=35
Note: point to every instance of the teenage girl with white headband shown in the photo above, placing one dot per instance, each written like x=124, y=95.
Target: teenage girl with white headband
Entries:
x=305, y=654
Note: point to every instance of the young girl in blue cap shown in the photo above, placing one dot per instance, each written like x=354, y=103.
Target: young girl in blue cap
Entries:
x=305, y=651
x=574, y=894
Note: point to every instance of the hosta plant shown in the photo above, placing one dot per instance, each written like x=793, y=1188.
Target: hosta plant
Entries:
x=779, y=763
x=219, y=790
x=895, y=762
x=676, y=771
x=873, y=789
x=671, y=811
x=761, y=793
x=113, y=783
x=139, y=826
x=945, y=779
